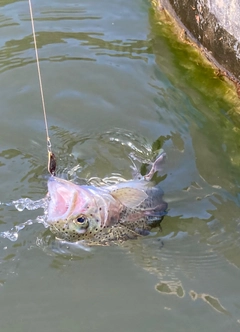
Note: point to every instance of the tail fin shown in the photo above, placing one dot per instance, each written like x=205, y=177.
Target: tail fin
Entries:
x=156, y=166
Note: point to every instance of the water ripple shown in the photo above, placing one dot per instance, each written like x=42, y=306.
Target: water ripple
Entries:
x=15, y=53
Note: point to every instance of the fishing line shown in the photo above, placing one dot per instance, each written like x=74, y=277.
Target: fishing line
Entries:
x=51, y=156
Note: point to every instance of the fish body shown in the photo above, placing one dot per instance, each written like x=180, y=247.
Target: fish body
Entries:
x=106, y=213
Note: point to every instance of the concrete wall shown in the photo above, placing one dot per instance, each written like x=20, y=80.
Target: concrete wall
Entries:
x=215, y=24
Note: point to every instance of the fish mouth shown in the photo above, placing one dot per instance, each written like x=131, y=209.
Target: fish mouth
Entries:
x=62, y=199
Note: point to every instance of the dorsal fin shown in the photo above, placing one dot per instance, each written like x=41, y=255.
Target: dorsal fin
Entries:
x=130, y=197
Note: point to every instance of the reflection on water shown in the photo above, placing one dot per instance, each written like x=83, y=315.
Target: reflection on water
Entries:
x=116, y=83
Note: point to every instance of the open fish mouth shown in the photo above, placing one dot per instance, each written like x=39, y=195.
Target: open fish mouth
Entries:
x=106, y=213
x=62, y=198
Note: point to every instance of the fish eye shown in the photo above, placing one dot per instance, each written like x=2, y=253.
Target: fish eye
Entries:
x=81, y=220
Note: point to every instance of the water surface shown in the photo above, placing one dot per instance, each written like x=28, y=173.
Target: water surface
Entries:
x=116, y=81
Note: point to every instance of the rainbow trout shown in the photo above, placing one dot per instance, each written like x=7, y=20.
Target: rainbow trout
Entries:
x=107, y=213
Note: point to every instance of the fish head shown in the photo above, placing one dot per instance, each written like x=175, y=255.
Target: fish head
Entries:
x=71, y=210
x=66, y=199
x=75, y=228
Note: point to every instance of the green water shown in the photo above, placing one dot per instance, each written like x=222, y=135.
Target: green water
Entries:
x=117, y=81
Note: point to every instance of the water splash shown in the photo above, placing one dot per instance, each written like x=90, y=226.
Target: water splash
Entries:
x=22, y=204
x=26, y=203
x=54, y=247
x=12, y=235
x=111, y=180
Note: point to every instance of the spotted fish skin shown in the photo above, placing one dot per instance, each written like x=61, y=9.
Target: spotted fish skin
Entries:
x=100, y=215
x=129, y=224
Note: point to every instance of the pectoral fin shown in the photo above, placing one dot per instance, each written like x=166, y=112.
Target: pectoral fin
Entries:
x=130, y=197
